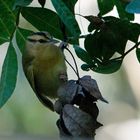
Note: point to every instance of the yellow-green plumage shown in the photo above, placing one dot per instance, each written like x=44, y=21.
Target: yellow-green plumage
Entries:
x=44, y=65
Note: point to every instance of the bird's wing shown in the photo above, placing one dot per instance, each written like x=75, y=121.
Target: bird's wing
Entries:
x=30, y=75
x=43, y=99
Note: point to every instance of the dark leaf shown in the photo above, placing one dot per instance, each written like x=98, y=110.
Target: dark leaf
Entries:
x=22, y=3
x=94, y=19
x=118, y=36
x=90, y=108
x=42, y=2
x=85, y=67
x=95, y=22
x=43, y=19
x=67, y=92
x=82, y=54
x=101, y=44
x=121, y=5
x=21, y=35
x=129, y=31
x=78, y=122
x=66, y=32
x=70, y=4
x=63, y=132
x=58, y=106
x=7, y=20
x=92, y=45
x=91, y=86
x=9, y=75
x=134, y=32
x=91, y=27
x=133, y=7
x=138, y=54
x=105, y=6
x=110, y=67
x=67, y=17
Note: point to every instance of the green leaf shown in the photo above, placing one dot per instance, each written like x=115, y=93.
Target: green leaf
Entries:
x=7, y=20
x=129, y=31
x=9, y=75
x=85, y=67
x=105, y=6
x=43, y=19
x=101, y=44
x=132, y=32
x=70, y=4
x=22, y=3
x=82, y=54
x=121, y=5
x=118, y=36
x=21, y=35
x=138, y=54
x=95, y=22
x=110, y=67
x=92, y=46
x=67, y=17
x=133, y=7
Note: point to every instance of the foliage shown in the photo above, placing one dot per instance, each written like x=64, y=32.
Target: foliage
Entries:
x=107, y=35
x=133, y=7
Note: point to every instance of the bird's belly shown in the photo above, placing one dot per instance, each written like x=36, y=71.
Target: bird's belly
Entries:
x=47, y=84
x=48, y=81
x=47, y=72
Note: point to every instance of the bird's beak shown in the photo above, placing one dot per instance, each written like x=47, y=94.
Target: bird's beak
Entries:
x=54, y=41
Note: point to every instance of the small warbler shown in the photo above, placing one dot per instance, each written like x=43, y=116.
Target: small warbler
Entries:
x=44, y=66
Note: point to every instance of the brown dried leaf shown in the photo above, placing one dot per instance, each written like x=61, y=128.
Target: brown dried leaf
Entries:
x=62, y=129
x=90, y=108
x=91, y=86
x=77, y=122
x=67, y=92
x=58, y=106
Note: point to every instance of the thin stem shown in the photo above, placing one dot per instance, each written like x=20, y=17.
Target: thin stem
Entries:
x=80, y=15
x=76, y=71
x=122, y=57
x=71, y=66
x=135, y=46
x=79, y=37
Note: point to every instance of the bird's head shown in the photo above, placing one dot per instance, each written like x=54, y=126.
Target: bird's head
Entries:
x=40, y=39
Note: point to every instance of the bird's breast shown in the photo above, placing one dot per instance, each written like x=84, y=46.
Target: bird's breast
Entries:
x=47, y=68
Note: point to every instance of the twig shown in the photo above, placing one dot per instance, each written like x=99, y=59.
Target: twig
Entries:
x=122, y=57
x=76, y=71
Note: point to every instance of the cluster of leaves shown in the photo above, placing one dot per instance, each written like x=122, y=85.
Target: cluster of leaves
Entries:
x=104, y=39
x=79, y=120
x=133, y=7
x=39, y=17
x=108, y=37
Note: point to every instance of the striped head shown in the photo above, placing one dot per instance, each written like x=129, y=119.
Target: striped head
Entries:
x=41, y=38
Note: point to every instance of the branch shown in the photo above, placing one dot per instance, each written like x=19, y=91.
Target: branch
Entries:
x=122, y=57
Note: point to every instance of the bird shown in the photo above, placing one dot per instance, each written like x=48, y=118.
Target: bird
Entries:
x=44, y=66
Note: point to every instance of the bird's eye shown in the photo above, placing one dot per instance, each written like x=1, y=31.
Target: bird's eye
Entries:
x=42, y=41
